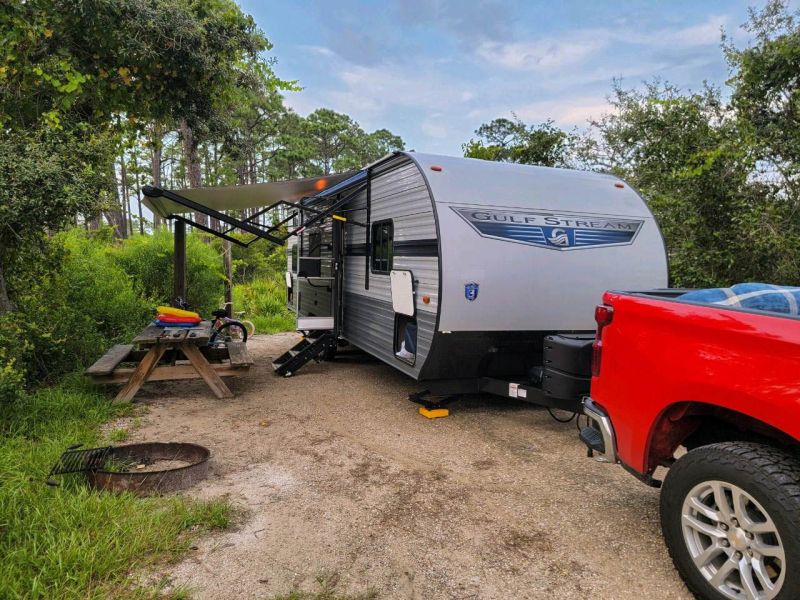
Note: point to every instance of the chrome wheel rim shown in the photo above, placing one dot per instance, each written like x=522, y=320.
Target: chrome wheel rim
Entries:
x=733, y=541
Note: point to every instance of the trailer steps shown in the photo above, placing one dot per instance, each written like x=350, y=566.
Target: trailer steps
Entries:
x=288, y=363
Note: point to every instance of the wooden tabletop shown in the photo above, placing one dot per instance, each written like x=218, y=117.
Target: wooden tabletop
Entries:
x=152, y=335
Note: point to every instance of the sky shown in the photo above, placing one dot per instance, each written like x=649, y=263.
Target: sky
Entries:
x=432, y=71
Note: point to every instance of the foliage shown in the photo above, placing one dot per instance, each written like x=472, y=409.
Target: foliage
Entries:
x=340, y=144
x=148, y=260
x=47, y=178
x=264, y=303
x=509, y=140
x=766, y=90
x=71, y=542
x=65, y=62
x=680, y=151
x=74, y=301
x=720, y=177
x=260, y=259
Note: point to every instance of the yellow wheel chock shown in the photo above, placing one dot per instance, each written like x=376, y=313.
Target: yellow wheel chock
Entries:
x=434, y=413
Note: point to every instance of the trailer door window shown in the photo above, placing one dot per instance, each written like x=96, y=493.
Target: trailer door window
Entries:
x=382, y=236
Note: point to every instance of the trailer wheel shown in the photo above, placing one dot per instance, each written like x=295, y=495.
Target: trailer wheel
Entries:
x=730, y=514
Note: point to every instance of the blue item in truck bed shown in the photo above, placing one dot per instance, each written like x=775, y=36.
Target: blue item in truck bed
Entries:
x=755, y=296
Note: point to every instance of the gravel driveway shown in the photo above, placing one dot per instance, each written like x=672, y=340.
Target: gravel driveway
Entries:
x=336, y=475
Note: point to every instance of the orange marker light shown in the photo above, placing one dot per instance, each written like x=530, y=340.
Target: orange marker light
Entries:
x=436, y=168
x=619, y=185
x=426, y=299
x=319, y=184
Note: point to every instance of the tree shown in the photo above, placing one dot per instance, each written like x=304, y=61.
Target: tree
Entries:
x=509, y=140
x=47, y=178
x=332, y=135
x=71, y=73
x=766, y=90
x=686, y=153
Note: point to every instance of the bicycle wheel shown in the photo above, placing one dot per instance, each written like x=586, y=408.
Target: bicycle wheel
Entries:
x=250, y=326
x=233, y=330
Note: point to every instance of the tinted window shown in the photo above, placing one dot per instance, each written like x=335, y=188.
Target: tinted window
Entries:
x=382, y=234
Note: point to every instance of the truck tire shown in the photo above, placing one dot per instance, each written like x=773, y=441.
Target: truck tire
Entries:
x=730, y=515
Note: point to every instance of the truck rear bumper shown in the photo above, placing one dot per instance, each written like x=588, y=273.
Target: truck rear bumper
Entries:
x=603, y=424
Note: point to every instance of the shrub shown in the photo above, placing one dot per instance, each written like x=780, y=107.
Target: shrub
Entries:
x=264, y=301
x=148, y=260
x=72, y=304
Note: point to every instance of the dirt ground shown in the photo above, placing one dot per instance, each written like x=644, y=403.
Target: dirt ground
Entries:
x=335, y=474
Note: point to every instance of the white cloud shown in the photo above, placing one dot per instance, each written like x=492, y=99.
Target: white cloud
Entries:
x=539, y=55
x=578, y=46
x=566, y=112
x=375, y=88
x=319, y=50
x=695, y=35
x=436, y=103
x=436, y=126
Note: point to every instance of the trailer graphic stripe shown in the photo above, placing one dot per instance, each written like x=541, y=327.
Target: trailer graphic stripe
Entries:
x=555, y=231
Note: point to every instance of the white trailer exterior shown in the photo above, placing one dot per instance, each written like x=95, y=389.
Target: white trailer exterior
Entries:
x=500, y=255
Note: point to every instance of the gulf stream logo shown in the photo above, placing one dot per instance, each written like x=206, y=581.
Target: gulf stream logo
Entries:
x=556, y=231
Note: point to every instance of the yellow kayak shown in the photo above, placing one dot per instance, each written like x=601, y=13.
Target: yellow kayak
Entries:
x=177, y=312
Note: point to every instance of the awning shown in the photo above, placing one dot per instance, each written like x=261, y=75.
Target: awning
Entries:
x=237, y=197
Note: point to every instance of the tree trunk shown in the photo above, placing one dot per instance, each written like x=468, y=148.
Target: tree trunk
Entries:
x=192, y=164
x=115, y=216
x=138, y=193
x=155, y=166
x=6, y=305
x=126, y=206
x=227, y=265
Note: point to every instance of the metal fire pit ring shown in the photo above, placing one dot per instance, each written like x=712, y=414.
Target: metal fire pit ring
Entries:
x=143, y=483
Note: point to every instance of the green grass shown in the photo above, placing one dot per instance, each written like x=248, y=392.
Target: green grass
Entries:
x=119, y=435
x=70, y=541
x=264, y=303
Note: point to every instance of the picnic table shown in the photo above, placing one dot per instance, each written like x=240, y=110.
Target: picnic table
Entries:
x=170, y=353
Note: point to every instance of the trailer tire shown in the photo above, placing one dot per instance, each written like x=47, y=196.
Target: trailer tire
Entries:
x=767, y=480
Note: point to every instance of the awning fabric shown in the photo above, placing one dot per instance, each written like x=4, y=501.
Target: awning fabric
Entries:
x=238, y=197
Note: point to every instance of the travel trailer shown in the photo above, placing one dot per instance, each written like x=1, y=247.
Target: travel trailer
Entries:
x=467, y=275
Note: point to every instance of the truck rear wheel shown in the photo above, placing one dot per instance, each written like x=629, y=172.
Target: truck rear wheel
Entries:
x=730, y=514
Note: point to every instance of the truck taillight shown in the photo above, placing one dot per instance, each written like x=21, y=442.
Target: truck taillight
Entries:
x=603, y=315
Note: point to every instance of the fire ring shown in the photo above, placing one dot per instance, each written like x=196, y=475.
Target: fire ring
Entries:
x=138, y=469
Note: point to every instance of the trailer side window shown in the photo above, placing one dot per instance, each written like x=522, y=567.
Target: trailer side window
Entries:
x=382, y=236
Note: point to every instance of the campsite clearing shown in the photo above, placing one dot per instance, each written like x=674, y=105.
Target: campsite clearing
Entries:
x=334, y=472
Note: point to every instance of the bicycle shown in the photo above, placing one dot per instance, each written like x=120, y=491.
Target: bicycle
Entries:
x=239, y=327
x=223, y=328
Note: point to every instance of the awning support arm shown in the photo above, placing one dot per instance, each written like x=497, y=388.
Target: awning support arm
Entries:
x=329, y=211
x=207, y=229
x=155, y=192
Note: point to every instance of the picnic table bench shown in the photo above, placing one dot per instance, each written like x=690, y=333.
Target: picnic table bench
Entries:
x=170, y=353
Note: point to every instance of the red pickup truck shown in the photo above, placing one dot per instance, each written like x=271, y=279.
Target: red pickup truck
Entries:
x=713, y=394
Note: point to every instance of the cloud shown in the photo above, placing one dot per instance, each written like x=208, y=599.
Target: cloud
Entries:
x=467, y=20
x=538, y=55
x=434, y=70
x=581, y=45
x=702, y=34
x=436, y=126
x=566, y=112
x=427, y=89
x=319, y=50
